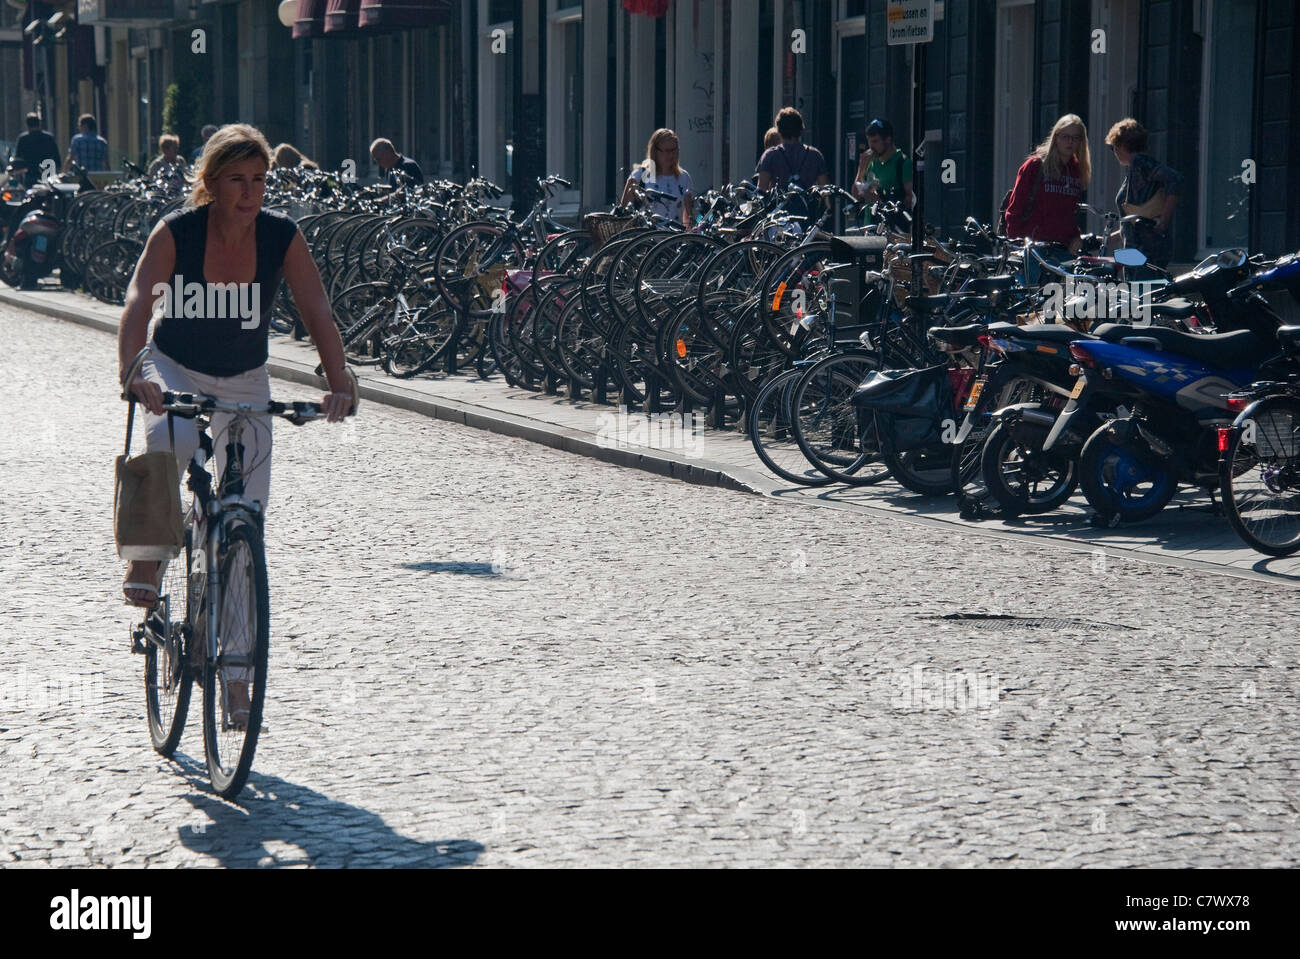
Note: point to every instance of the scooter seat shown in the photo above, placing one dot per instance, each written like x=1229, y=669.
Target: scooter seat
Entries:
x=1178, y=308
x=1239, y=348
x=958, y=335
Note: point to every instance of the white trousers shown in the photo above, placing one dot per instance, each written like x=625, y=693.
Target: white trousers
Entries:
x=251, y=387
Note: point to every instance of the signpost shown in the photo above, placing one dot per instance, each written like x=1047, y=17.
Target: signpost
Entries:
x=912, y=22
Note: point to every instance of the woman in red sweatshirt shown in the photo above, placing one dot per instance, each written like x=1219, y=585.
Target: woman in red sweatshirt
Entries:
x=1049, y=185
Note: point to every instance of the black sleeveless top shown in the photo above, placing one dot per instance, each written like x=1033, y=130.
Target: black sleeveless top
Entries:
x=210, y=328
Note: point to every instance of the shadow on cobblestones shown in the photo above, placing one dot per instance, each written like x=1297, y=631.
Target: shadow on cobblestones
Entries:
x=463, y=569
x=279, y=824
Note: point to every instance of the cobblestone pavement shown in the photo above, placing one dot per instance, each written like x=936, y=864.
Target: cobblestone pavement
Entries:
x=487, y=652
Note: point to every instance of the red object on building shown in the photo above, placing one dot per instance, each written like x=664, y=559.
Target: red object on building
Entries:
x=646, y=8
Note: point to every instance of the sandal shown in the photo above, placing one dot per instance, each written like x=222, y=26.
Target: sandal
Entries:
x=147, y=603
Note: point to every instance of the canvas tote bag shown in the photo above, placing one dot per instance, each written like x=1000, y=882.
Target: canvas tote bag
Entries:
x=147, y=519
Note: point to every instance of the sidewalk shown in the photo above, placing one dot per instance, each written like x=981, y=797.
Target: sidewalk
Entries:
x=1185, y=534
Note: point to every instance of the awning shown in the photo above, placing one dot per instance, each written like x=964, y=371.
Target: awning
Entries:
x=310, y=21
x=403, y=14
x=341, y=16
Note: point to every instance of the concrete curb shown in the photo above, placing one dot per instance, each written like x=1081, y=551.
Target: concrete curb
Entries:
x=699, y=472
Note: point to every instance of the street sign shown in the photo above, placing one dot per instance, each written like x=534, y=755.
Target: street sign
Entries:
x=909, y=21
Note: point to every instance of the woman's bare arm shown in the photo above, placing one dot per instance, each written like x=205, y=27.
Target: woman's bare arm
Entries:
x=314, y=309
x=154, y=268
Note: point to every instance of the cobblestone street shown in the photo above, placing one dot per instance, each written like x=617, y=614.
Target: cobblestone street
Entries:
x=486, y=652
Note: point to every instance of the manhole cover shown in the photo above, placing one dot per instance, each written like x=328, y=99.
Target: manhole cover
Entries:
x=1006, y=621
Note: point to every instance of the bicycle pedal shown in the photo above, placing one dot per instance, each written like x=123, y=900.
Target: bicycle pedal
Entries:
x=137, y=641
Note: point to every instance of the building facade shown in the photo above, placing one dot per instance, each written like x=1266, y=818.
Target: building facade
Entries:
x=513, y=89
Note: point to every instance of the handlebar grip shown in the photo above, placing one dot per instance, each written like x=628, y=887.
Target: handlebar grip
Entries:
x=562, y=182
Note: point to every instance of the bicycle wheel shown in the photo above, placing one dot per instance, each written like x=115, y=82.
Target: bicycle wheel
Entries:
x=359, y=312
x=1260, y=476
x=826, y=424
x=243, y=637
x=471, y=263
x=770, y=425
x=418, y=339
x=167, y=677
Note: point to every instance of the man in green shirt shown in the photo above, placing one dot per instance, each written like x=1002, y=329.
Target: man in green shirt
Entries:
x=884, y=171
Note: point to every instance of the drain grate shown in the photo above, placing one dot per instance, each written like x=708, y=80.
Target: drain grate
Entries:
x=1006, y=621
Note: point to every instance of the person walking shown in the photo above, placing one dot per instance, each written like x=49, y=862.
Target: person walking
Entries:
x=88, y=149
x=391, y=163
x=32, y=149
x=222, y=236
x=884, y=171
x=1150, y=189
x=1042, y=206
x=662, y=171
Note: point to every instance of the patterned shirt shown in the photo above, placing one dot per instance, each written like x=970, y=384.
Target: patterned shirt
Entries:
x=90, y=151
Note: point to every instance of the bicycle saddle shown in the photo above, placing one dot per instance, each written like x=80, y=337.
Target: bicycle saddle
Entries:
x=958, y=335
x=991, y=284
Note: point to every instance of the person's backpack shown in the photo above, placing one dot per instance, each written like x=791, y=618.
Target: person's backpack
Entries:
x=801, y=206
x=1001, y=229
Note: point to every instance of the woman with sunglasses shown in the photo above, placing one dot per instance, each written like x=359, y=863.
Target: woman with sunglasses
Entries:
x=1049, y=185
x=662, y=172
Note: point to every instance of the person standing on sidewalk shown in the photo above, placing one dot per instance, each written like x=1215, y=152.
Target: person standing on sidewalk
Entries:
x=204, y=136
x=1042, y=205
x=1151, y=188
x=792, y=163
x=225, y=237
x=884, y=171
x=391, y=162
x=662, y=171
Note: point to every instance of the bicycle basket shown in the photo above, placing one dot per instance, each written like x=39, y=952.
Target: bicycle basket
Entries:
x=909, y=405
x=603, y=227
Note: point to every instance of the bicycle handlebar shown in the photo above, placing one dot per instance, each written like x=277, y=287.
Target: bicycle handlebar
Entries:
x=297, y=412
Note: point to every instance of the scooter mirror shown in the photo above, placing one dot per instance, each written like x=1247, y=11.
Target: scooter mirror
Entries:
x=1128, y=256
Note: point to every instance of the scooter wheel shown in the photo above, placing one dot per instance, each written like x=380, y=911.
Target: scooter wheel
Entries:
x=1118, y=478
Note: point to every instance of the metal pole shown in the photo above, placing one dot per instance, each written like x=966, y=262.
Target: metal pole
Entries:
x=918, y=150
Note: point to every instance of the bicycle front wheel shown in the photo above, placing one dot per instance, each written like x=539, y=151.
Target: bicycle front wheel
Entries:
x=827, y=427
x=236, y=679
x=1260, y=476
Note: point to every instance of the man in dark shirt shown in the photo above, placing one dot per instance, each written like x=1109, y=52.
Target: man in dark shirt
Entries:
x=391, y=162
x=792, y=163
x=33, y=147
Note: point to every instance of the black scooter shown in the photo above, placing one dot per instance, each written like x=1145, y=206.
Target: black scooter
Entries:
x=33, y=227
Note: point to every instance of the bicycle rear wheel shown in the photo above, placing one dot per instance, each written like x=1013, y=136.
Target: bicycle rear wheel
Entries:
x=243, y=638
x=167, y=677
x=1260, y=476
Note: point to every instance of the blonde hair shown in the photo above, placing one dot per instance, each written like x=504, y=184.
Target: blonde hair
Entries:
x=1129, y=134
x=656, y=138
x=1046, y=151
x=167, y=138
x=772, y=138
x=286, y=156
x=233, y=143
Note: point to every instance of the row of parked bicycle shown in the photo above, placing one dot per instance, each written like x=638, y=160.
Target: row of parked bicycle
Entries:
x=980, y=367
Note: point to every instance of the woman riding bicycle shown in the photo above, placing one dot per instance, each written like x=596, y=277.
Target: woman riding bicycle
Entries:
x=213, y=269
